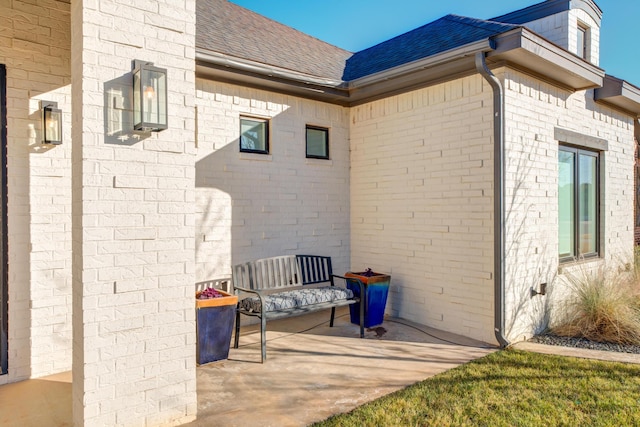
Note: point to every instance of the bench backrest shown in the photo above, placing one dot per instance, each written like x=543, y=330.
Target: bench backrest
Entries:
x=283, y=272
x=268, y=273
x=315, y=269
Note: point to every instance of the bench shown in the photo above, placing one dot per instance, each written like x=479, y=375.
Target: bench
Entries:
x=280, y=288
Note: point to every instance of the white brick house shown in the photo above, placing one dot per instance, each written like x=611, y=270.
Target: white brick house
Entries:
x=445, y=164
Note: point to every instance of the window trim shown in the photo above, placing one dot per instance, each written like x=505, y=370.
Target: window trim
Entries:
x=576, y=201
x=586, y=41
x=4, y=254
x=306, y=142
x=266, y=135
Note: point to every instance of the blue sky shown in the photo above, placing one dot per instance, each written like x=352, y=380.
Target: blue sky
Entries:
x=357, y=24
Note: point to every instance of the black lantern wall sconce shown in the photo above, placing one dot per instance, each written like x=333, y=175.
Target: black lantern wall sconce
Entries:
x=51, y=123
x=149, y=97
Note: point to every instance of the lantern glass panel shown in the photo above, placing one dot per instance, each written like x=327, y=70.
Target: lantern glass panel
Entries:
x=149, y=97
x=52, y=125
x=154, y=102
x=137, y=112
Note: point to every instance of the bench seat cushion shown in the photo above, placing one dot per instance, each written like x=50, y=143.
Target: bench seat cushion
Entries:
x=298, y=298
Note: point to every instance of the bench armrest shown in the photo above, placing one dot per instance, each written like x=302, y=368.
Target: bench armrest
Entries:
x=251, y=291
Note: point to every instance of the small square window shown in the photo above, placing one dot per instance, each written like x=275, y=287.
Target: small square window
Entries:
x=317, y=143
x=254, y=135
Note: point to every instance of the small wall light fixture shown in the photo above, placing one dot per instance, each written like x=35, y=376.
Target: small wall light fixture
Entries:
x=149, y=97
x=51, y=123
x=542, y=291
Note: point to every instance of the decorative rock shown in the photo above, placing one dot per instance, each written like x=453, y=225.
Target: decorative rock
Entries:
x=585, y=343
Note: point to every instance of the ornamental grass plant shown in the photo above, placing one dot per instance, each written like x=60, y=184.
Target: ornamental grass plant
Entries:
x=602, y=306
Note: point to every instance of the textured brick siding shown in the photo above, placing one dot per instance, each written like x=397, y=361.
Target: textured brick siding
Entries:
x=422, y=198
x=133, y=218
x=422, y=203
x=251, y=206
x=533, y=110
x=554, y=28
x=35, y=47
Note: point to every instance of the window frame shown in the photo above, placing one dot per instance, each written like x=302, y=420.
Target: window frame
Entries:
x=266, y=135
x=586, y=35
x=326, y=142
x=578, y=151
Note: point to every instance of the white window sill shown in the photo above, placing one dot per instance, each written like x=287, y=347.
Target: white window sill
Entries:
x=319, y=162
x=573, y=267
x=256, y=157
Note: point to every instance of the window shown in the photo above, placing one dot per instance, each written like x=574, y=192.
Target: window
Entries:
x=254, y=135
x=578, y=203
x=583, y=41
x=637, y=196
x=317, y=143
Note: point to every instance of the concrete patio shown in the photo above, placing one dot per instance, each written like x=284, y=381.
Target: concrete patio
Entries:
x=311, y=373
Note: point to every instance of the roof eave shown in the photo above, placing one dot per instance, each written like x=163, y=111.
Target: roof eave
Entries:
x=420, y=73
x=219, y=66
x=227, y=61
x=519, y=47
x=468, y=50
x=619, y=93
x=546, y=59
x=423, y=72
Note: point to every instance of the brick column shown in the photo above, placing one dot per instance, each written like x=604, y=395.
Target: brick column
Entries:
x=133, y=231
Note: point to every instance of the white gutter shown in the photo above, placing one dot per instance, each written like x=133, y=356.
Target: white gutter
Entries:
x=227, y=61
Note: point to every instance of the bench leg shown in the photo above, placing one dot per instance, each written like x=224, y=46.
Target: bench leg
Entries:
x=263, y=337
x=362, y=305
x=236, y=339
x=333, y=315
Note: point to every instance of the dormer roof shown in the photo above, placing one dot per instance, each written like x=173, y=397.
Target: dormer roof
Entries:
x=548, y=8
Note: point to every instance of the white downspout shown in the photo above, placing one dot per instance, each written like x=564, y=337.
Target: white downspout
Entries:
x=498, y=197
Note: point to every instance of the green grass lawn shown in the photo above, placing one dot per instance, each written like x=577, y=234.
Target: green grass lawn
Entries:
x=511, y=388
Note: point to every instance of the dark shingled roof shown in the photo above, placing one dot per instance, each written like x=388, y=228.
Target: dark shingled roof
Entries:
x=446, y=33
x=224, y=27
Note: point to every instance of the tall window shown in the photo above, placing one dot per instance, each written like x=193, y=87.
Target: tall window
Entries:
x=4, y=257
x=583, y=41
x=317, y=143
x=578, y=203
x=637, y=197
x=254, y=135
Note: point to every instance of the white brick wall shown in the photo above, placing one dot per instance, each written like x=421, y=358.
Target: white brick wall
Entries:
x=418, y=203
x=533, y=110
x=554, y=28
x=133, y=218
x=251, y=206
x=35, y=47
x=422, y=198
x=422, y=203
